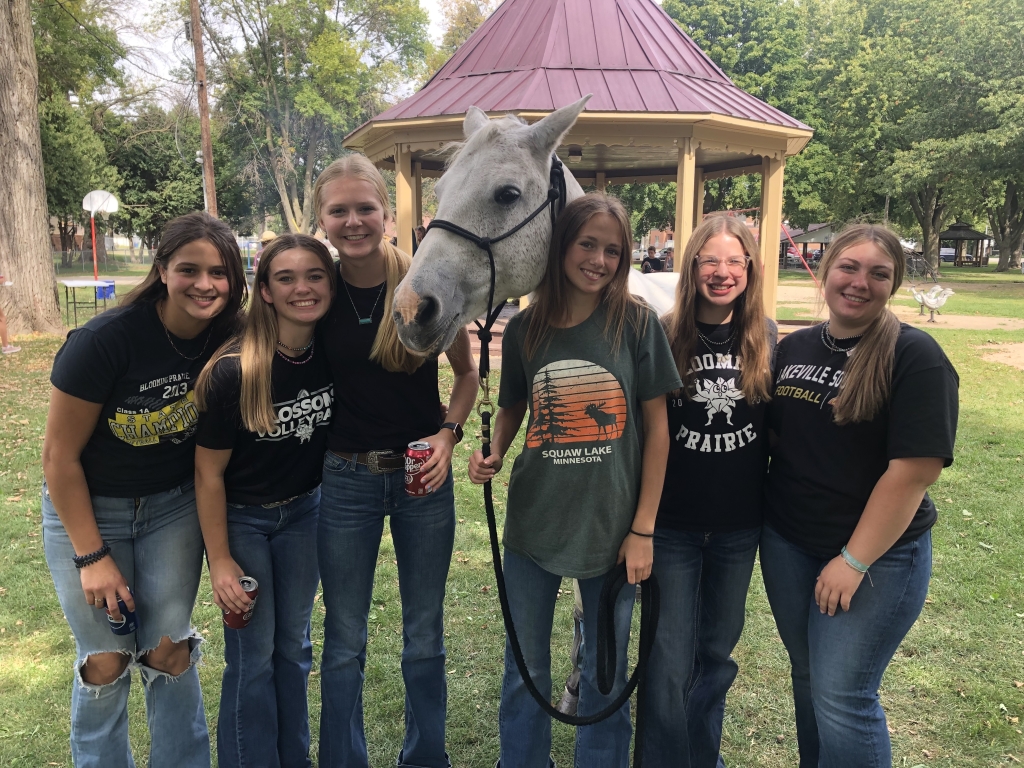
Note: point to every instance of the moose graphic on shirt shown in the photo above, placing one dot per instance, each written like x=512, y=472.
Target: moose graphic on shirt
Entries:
x=575, y=401
x=718, y=397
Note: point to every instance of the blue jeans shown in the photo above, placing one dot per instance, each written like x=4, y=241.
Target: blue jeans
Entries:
x=264, y=715
x=158, y=547
x=352, y=511
x=704, y=578
x=838, y=661
x=523, y=727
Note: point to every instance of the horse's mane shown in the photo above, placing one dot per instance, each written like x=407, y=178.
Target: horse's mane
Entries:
x=449, y=152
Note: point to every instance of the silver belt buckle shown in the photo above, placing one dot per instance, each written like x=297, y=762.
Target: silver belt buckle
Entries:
x=371, y=462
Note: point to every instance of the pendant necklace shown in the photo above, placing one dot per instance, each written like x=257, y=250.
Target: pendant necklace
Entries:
x=363, y=320
x=167, y=333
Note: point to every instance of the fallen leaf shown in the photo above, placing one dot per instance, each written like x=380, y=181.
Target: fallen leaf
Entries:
x=927, y=753
x=780, y=738
x=14, y=498
x=989, y=547
x=485, y=589
x=1018, y=684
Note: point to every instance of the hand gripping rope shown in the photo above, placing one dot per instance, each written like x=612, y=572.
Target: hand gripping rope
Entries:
x=616, y=578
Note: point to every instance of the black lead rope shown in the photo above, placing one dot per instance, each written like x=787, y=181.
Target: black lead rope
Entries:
x=616, y=579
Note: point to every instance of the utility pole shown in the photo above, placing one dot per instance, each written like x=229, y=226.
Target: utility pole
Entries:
x=204, y=111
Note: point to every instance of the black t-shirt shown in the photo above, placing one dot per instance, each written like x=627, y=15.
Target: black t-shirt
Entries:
x=374, y=409
x=718, y=452
x=821, y=474
x=123, y=359
x=269, y=467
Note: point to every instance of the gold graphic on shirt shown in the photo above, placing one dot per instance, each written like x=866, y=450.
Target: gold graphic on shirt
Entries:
x=575, y=401
x=174, y=422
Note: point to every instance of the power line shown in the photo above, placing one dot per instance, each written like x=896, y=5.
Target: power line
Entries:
x=113, y=50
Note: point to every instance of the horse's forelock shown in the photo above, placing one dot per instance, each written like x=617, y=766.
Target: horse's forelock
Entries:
x=451, y=151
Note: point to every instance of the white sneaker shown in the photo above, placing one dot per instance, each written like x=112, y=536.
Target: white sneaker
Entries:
x=10, y=349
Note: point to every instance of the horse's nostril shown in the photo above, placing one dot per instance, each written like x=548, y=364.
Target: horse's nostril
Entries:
x=427, y=310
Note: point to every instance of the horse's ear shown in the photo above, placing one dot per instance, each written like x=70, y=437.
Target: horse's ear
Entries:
x=546, y=135
x=476, y=119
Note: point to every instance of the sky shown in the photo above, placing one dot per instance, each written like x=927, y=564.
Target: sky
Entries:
x=155, y=55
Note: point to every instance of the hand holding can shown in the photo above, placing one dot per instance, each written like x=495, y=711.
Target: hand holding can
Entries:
x=241, y=620
x=128, y=622
x=416, y=456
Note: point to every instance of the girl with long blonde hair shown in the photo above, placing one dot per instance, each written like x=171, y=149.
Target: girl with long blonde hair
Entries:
x=266, y=399
x=588, y=360
x=864, y=411
x=709, y=521
x=386, y=398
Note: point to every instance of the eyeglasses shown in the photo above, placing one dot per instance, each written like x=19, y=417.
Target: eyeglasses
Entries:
x=735, y=264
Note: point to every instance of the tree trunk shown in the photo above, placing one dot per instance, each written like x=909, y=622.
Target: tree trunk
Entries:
x=31, y=303
x=929, y=210
x=1007, y=222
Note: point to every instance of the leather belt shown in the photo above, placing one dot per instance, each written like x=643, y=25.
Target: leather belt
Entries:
x=378, y=462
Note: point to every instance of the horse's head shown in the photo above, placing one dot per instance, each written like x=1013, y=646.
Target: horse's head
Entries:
x=498, y=177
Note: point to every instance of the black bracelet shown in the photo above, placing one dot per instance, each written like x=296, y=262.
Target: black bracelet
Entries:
x=93, y=557
x=645, y=535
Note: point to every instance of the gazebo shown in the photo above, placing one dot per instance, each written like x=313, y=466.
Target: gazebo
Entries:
x=661, y=109
x=960, y=234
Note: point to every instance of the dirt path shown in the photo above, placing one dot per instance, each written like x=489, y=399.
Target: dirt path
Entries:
x=1008, y=354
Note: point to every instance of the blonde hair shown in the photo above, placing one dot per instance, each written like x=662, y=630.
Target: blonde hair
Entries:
x=748, y=318
x=867, y=381
x=388, y=351
x=256, y=346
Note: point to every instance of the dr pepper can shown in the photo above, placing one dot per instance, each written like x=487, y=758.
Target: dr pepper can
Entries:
x=416, y=455
x=241, y=620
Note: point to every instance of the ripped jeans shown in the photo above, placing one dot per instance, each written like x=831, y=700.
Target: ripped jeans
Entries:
x=158, y=546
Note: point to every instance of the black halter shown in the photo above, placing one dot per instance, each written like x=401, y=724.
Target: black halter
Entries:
x=556, y=202
x=616, y=578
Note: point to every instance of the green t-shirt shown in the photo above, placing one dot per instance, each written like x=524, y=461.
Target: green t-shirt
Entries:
x=574, y=488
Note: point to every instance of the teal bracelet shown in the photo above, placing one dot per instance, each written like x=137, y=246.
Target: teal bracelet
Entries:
x=853, y=562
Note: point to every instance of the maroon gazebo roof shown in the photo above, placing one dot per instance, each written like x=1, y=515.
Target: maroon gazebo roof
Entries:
x=544, y=54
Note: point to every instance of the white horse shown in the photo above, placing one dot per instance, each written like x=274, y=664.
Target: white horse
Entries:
x=495, y=180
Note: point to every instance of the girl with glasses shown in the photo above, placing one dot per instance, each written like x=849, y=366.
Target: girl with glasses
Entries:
x=709, y=520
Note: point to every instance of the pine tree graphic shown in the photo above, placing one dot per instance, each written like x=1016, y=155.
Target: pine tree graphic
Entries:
x=547, y=418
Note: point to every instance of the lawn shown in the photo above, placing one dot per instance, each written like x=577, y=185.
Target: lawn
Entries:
x=954, y=692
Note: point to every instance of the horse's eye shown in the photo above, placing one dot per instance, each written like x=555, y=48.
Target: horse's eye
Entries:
x=506, y=195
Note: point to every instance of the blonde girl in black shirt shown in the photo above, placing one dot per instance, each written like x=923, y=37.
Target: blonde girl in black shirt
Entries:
x=864, y=409
x=266, y=400
x=119, y=516
x=386, y=399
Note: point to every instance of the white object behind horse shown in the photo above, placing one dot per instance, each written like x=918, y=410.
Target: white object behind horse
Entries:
x=498, y=177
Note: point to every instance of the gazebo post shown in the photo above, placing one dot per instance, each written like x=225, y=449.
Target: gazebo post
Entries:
x=417, y=197
x=601, y=182
x=698, y=197
x=403, y=198
x=685, y=178
x=772, y=172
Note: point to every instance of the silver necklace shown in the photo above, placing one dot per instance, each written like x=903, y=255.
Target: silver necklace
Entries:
x=830, y=341
x=293, y=362
x=712, y=344
x=167, y=333
x=363, y=320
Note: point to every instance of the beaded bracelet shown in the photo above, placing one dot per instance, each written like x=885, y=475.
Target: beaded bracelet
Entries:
x=645, y=535
x=81, y=561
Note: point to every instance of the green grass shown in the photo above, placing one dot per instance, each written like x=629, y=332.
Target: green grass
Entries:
x=950, y=692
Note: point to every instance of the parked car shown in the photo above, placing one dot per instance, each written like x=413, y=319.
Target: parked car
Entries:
x=947, y=255
x=638, y=255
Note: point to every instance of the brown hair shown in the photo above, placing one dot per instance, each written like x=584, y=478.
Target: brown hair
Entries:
x=257, y=344
x=551, y=305
x=387, y=349
x=182, y=231
x=866, y=383
x=748, y=318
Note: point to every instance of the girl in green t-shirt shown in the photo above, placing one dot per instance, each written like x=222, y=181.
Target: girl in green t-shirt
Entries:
x=584, y=492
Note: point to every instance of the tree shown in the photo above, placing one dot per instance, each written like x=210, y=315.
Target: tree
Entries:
x=154, y=154
x=461, y=18
x=74, y=162
x=24, y=239
x=298, y=74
